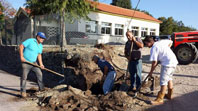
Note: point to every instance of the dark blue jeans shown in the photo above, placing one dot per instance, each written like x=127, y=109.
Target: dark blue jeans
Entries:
x=135, y=70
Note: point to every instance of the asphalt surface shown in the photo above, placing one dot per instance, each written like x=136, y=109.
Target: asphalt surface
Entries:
x=9, y=92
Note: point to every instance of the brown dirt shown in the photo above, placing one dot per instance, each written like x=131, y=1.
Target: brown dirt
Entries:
x=83, y=79
x=83, y=73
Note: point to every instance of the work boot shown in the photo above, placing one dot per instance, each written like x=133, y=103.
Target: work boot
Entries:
x=170, y=94
x=23, y=94
x=159, y=100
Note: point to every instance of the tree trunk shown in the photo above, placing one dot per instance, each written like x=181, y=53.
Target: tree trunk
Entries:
x=6, y=38
x=0, y=39
x=63, y=42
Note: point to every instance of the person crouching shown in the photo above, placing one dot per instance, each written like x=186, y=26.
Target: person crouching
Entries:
x=109, y=73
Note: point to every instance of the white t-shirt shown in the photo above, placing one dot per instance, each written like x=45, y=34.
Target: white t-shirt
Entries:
x=161, y=51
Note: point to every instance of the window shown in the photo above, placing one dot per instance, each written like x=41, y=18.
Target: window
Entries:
x=91, y=26
x=135, y=30
x=119, y=29
x=144, y=31
x=106, y=28
x=179, y=35
x=152, y=32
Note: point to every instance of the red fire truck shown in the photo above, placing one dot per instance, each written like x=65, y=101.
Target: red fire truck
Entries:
x=185, y=46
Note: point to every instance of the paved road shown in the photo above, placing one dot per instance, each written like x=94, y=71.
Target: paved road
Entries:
x=9, y=92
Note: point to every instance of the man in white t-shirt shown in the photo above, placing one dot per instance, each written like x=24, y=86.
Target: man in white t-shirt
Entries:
x=161, y=52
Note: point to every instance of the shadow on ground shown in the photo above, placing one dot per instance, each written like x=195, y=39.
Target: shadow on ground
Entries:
x=186, y=102
x=10, y=63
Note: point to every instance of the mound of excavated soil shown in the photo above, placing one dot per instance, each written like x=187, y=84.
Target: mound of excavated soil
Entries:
x=83, y=89
x=82, y=73
x=67, y=98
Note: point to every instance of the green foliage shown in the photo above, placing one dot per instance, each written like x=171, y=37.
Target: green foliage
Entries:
x=8, y=10
x=70, y=9
x=1, y=16
x=169, y=25
x=122, y=3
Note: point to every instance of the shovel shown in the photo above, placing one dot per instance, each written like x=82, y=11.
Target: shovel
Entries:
x=152, y=86
x=124, y=86
x=56, y=73
x=138, y=90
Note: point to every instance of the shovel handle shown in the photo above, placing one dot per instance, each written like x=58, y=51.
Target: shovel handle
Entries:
x=45, y=69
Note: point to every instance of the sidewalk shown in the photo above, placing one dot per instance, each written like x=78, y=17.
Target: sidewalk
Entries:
x=9, y=93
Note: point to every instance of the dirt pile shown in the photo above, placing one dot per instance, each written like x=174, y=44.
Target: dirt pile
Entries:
x=67, y=98
x=82, y=73
x=82, y=89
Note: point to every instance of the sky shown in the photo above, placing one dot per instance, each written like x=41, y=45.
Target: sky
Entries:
x=181, y=10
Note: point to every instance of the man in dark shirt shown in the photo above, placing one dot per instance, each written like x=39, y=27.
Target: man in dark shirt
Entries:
x=109, y=73
x=135, y=59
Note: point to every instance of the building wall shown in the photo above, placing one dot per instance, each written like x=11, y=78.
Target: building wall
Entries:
x=48, y=24
x=23, y=29
x=115, y=19
x=72, y=26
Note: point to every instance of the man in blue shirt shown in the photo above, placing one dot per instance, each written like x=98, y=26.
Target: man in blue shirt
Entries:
x=108, y=73
x=30, y=50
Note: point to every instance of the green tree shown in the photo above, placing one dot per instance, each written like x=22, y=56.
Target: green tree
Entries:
x=9, y=11
x=1, y=16
x=1, y=21
x=68, y=9
x=122, y=3
x=169, y=25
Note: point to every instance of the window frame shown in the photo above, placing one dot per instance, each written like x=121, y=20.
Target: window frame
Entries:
x=135, y=30
x=107, y=28
x=120, y=29
x=152, y=31
x=144, y=31
x=89, y=24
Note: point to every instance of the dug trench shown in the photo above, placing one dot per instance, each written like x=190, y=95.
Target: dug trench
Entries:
x=82, y=87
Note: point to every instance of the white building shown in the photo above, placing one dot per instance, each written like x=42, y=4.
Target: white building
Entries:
x=109, y=24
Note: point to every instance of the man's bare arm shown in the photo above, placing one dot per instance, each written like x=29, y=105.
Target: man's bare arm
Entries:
x=40, y=60
x=139, y=44
x=21, y=48
x=154, y=64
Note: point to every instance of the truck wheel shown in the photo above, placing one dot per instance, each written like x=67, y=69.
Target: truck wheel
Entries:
x=186, y=53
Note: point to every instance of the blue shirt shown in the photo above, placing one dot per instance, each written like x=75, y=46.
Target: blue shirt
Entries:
x=31, y=49
x=102, y=63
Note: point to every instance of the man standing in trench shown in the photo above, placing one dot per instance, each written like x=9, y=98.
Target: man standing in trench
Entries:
x=134, y=59
x=161, y=52
x=109, y=73
x=30, y=50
